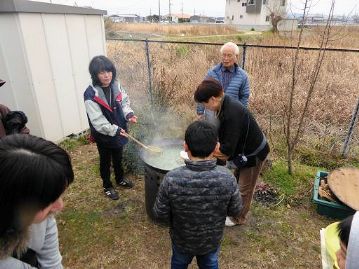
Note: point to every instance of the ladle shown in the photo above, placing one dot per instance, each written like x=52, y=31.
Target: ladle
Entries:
x=153, y=149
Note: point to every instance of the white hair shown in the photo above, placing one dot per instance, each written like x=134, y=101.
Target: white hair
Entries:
x=232, y=46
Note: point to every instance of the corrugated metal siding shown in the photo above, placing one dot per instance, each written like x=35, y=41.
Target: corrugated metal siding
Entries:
x=94, y=30
x=37, y=53
x=7, y=52
x=17, y=92
x=80, y=58
x=56, y=29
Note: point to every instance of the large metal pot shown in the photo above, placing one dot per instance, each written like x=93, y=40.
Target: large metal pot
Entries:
x=155, y=170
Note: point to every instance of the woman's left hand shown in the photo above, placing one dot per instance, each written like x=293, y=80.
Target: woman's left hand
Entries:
x=133, y=119
x=123, y=132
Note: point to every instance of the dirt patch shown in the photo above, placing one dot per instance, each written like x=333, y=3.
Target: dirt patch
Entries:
x=266, y=194
x=122, y=208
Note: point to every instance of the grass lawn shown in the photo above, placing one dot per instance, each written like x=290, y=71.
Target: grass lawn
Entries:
x=96, y=232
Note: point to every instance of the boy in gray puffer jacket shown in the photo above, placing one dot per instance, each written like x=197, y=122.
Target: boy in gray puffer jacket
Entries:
x=195, y=199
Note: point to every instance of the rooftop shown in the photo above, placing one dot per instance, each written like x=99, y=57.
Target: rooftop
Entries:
x=25, y=6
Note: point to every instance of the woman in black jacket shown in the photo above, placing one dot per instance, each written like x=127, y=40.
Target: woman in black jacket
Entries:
x=241, y=140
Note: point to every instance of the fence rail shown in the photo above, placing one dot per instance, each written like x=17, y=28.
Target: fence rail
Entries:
x=239, y=45
x=254, y=57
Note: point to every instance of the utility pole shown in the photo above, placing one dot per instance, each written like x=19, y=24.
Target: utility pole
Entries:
x=182, y=11
x=169, y=11
x=159, y=10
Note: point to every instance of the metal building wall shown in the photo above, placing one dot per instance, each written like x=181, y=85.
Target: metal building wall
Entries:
x=17, y=93
x=53, y=52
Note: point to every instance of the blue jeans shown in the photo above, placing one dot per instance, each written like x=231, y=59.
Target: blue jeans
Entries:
x=181, y=261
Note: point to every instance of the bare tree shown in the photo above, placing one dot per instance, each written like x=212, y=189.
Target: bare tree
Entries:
x=277, y=10
x=294, y=129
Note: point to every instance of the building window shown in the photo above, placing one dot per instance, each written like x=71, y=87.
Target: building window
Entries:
x=267, y=18
x=282, y=3
x=244, y=4
x=250, y=2
x=232, y=17
x=241, y=16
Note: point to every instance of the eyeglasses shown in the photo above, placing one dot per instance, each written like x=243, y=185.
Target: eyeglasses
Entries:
x=229, y=56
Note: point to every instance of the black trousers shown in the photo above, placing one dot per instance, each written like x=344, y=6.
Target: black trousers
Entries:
x=106, y=154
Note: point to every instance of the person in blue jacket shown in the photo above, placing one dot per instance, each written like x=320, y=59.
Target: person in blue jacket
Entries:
x=233, y=79
x=108, y=112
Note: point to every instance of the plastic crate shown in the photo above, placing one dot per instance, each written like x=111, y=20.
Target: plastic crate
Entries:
x=328, y=208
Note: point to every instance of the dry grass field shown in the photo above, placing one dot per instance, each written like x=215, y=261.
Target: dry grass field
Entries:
x=170, y=29
x=178, y=68
x=342, y=36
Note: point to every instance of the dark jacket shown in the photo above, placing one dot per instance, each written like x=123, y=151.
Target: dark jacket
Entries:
x=195, y=200
x=12, y=122
x=235, y=122
x=3, y=112
x=106, y=119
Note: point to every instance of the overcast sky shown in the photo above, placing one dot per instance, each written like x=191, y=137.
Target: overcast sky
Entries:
x=204, y=7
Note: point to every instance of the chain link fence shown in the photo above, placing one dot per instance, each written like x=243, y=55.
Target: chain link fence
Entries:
x=162, y=77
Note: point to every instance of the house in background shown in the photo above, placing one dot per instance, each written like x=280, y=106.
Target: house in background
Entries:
x=201, y=19
x=254, y=13
x=130, y=18
x=178, y=17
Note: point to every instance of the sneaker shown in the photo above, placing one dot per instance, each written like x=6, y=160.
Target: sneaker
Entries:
x=111, y=193
x=126, y=183
x=229, y=222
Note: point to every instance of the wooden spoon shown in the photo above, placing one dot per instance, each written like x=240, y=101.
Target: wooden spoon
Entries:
x=152, y=149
